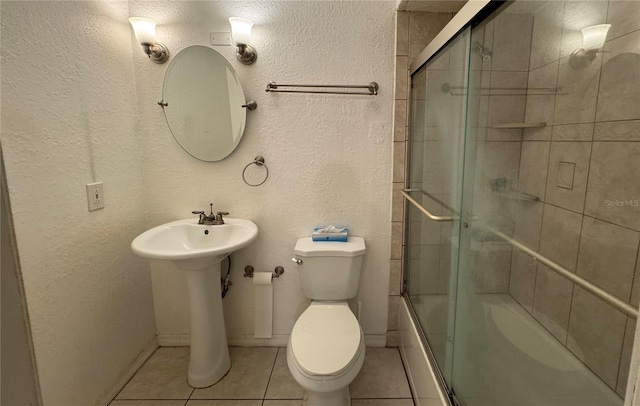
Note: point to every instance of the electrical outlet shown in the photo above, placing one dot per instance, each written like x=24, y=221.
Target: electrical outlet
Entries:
x=220, y=38
x=95, y=196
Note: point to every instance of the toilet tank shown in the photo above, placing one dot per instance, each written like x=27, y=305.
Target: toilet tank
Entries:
x=330, y=270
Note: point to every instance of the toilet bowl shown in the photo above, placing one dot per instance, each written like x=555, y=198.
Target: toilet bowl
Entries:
x=326, y=348
x=325, y=353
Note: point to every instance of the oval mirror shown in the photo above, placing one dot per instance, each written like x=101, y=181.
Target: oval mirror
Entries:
x=204, y=99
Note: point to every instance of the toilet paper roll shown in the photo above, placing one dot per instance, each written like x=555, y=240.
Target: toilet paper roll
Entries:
x=262, y=304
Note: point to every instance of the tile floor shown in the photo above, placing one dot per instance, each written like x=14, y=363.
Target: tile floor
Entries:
x=259, y=377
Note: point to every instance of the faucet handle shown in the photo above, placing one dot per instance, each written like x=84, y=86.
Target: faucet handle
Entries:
x=201, y=216
x=219, y=220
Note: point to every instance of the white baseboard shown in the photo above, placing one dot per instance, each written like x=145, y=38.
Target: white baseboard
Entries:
x=375, y=340
x=424, y=386
x=248, y=340
x=239, y=340
x=174, y=340
x=105, y=398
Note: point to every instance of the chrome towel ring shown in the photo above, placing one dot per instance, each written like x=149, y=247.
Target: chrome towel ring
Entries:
x=258, y=161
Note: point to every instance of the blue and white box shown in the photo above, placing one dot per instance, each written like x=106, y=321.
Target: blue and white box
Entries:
x=330, y=233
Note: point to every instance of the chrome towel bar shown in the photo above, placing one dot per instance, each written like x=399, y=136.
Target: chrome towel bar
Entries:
x=371, y=87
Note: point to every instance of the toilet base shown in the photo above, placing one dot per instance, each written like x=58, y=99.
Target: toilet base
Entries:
x=337, y=398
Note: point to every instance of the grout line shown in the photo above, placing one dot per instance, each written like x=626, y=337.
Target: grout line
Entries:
x=565, y=343
x=624, y=335
x=557, y=84
x=586, y=190
x=381, y=398
x=273, y=366
x=592, y=217
x=621, y=35
x=406, y=376
x=533, y=293
x=189, y=397
x=546, y=185
x=630, y=140
x=134, y=375
x=635, y=275
x=527, y=101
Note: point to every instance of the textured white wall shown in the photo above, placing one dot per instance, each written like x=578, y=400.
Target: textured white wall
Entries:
x=69, y=118
x=329, y=156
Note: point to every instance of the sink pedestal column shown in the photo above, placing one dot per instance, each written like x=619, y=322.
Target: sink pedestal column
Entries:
x=209, y=360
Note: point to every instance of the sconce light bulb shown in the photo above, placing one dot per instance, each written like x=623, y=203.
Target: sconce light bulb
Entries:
x=594, y=37
x=144, y=29
x=241, y=30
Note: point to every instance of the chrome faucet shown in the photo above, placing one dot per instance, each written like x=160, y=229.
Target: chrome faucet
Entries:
x=210, y=219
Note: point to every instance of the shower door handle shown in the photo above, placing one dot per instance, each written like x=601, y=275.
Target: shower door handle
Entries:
x=425, y=211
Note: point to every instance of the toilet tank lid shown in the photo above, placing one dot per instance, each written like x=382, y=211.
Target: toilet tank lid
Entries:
x=308, y=248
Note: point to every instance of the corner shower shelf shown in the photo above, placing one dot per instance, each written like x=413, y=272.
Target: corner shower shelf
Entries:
x=523, y=196
x=519, y=125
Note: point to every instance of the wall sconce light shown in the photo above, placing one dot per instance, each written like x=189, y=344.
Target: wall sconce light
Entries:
x=593, y=39
x=241, y=34
x=145, y=31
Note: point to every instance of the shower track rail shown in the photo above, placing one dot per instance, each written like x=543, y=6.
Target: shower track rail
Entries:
x=597, y=291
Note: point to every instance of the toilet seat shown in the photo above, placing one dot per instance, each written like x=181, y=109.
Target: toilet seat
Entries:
x=326, y=340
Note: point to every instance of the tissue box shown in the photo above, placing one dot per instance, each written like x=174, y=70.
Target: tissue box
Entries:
x=316, y=235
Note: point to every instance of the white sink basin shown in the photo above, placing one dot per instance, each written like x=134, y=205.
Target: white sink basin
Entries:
x=191, y=245
x=199, y=249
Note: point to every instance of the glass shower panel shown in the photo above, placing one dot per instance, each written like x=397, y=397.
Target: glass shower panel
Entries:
x=436, y=149
x=551, y=162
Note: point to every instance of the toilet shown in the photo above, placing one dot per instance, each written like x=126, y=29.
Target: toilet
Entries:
x=326, y=347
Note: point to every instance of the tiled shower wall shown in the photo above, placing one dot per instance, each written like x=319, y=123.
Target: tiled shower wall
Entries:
x=584, y=165
x=414, y=31
x=501, y=99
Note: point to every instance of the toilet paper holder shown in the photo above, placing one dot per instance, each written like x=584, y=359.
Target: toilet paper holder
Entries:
x=248, y=271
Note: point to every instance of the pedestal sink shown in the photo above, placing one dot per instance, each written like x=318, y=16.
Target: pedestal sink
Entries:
x=198, y=250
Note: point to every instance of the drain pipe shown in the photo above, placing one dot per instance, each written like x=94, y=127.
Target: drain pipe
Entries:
x=226, y=281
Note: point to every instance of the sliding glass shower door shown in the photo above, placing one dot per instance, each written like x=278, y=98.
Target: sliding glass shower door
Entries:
x=524, y=334
x=435, y=184
x=523, y=238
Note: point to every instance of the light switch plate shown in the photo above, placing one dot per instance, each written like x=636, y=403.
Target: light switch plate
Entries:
x=95, y=196
x=221, y=38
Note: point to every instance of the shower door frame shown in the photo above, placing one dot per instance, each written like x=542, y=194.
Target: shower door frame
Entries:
x=470, y=15
x=474, y=11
